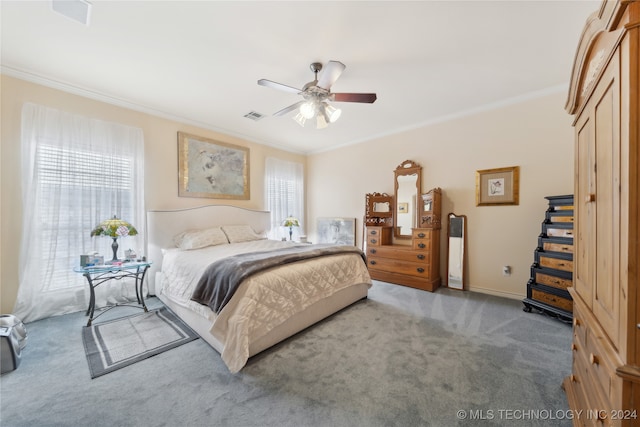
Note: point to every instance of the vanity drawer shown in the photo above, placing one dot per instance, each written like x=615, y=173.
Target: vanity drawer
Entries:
x=399, y=254
x=399, y=266
x=377, y=236
x=421, y=238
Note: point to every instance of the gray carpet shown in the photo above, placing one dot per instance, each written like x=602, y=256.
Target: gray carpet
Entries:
x=403, y=357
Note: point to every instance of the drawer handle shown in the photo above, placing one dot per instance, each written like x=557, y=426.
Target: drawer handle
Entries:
x=421, y=235
x=576, y=322
x=566, y=248
x=373, y=251
x=422, y=245
x=574, y=347
x=594, y=359
x=590, y=198
x=569, y=233
x=573, y=378
x=420, y=270
x=374, y=241
x=420, y=256
x=372, y=262
x=374, y=232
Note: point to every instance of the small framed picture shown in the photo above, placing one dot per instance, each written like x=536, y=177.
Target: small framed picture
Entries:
x=498, y=186
x=403, y=207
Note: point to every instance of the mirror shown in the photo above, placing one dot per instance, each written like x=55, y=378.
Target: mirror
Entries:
x=456, y=232
x=379, y=209
x=382, y=207
x=430, y=215
x=408, y=177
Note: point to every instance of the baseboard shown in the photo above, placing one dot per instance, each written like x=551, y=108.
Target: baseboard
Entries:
x=493, y=292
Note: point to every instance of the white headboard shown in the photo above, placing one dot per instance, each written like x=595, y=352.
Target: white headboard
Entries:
x=163, y=225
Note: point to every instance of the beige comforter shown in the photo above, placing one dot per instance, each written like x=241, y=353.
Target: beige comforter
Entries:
x=264, y=300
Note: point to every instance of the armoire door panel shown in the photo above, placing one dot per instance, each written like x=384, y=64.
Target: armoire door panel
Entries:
x=606, y=287
x=584, y=209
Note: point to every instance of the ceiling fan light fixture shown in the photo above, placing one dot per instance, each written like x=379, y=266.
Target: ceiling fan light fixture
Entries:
x=300, y=119
x=321, y=122
x=331, y=113
x=308, y=110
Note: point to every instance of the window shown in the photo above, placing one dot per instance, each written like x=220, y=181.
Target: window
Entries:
x=64, y=177
x=76, y=172
x=284, y=190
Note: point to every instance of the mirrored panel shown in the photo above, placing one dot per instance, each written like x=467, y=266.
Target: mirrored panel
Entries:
x=382, y=207
x=379, y=209
x=456, y=232
x=407, y=180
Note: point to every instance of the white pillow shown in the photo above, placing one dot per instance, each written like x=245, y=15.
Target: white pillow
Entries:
x=196, y=239
x=241, y=233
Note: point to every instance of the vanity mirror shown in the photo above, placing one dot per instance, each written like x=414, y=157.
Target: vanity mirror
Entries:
x=430, y=215
x=407, y=181
x=379, y=209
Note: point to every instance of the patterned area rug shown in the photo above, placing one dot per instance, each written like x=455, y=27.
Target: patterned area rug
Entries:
x=121, y=342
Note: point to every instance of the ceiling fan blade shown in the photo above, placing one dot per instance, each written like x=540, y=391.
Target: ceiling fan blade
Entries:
x=289, y=108
x=279, y=86
x=354, y=97
x=330, y=74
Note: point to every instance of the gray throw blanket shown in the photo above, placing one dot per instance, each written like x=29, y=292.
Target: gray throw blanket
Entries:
x=221, y=278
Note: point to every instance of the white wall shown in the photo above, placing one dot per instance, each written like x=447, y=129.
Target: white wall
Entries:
x=161, y=164
x=535, y=134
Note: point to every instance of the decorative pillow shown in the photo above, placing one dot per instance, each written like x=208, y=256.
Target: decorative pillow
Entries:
x=196, y=239
x=241, y=233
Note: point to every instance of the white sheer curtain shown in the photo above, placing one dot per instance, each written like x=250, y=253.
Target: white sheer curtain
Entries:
x=284, y=182
x=76, y=172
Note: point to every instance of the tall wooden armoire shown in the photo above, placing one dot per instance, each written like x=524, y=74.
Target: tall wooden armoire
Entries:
x=604, y=97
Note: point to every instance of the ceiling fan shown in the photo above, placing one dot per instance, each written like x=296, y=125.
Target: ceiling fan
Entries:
x=317, y=95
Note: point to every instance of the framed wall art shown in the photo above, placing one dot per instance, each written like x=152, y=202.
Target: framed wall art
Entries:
x=498, y=186
x=212, y=169
x=337, y=231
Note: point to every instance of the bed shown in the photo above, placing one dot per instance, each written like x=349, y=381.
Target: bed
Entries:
x=268, y=306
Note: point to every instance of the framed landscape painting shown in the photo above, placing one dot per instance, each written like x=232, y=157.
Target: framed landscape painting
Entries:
x=212, y=169
x=337, y=231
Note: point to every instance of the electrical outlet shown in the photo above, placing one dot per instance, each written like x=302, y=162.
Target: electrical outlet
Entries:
x=506, y=270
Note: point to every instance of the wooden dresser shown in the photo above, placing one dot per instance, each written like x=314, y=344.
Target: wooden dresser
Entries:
x=552, y=269
x=416, y=265
x=604, y=96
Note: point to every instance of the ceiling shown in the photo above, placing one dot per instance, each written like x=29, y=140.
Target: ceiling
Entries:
x=199, y=62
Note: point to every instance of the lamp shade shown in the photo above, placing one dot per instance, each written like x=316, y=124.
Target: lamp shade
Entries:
x=291, y=222
x=114, y=228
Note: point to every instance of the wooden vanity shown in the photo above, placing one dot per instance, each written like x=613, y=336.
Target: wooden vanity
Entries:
x=402, y=239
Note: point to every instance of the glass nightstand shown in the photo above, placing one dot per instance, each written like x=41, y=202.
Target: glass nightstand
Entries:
x=99, y=274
